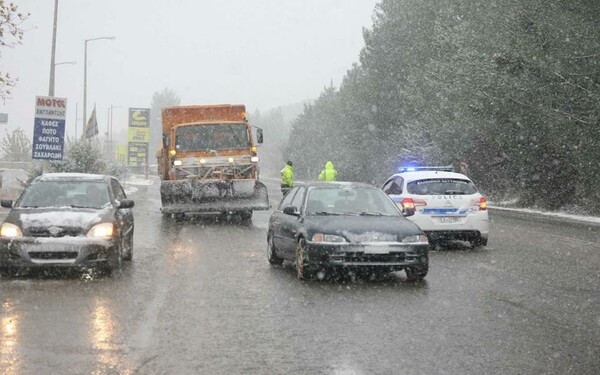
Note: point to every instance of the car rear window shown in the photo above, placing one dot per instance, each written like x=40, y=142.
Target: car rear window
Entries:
x=439, y=186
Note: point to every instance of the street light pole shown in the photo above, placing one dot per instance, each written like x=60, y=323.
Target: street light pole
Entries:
x=53, y=54
x=85, y=75
x=110, y=130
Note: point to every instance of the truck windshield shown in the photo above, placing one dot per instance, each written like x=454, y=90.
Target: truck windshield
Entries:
x=212, y=137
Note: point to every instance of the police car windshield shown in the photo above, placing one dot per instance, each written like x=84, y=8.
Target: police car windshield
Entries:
x=438, y=186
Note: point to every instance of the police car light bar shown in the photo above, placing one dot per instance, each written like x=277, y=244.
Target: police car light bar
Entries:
x=448, y=168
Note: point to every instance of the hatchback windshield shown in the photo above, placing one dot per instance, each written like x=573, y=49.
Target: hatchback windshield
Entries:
x=440, y=186
x=212, y=137
x=349, y=201
x=65, y=193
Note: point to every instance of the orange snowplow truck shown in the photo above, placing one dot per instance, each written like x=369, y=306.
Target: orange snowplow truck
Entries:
x=208, y=162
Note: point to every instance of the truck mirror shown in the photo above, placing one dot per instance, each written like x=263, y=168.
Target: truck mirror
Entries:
x=165, y=141
x=259, y=135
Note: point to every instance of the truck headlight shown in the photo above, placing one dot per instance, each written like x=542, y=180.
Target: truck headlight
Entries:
x=230, y=160
x=177, y=163
x=101, y=230
x=254, y=159
x=9, y=230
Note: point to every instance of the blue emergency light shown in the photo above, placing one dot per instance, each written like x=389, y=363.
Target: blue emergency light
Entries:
x=447, y=168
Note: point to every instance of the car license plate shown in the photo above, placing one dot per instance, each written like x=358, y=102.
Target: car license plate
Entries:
x=374, y=249
x=448, y=219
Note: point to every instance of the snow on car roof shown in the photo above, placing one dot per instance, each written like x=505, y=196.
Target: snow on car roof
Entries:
x=70, y=176
x=421, y=175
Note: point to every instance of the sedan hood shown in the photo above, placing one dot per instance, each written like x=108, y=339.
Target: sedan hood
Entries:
x=359, y=229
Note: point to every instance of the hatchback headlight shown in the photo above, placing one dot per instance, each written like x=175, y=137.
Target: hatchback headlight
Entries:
x=101, y=230
x=9, y=230
x=414, y=239
x=320, y=237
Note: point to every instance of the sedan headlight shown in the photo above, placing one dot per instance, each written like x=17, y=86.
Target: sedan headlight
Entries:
x=9, y=230
x=415, y=239
x=177, y=163
x=320, y=237
x=101, y=230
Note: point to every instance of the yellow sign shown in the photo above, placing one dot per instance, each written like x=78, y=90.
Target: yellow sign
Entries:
x=138, y=135
x=121, y=153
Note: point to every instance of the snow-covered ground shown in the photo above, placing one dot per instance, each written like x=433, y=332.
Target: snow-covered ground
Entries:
x=562, y=215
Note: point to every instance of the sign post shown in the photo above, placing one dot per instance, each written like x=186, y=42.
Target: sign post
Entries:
x=138, y=137
x=49, y=128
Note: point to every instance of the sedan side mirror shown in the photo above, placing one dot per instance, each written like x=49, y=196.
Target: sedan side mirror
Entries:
x=291, y=211
x=126, y=203
x=6, y=203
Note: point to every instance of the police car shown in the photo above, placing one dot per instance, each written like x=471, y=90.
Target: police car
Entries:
x=446, y=205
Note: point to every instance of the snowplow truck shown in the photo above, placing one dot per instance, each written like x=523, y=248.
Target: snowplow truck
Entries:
x=208, y=161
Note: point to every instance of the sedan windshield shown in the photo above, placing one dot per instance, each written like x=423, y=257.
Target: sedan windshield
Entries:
x=212, y=137
x=64, y=194
x=350, y=200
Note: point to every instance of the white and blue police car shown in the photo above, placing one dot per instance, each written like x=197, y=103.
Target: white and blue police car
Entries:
x=446, y=205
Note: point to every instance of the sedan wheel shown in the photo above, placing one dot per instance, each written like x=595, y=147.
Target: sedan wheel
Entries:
x=127, y=246
x=115, y=266
x=271, y=253
x=302, y=266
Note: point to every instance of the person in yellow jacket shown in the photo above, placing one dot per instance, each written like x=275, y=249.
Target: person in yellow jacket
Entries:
x=287, y=178
x=329, y=173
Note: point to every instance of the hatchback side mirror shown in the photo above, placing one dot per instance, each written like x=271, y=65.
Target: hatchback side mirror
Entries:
x=126, y=203
x=291, y=211
x=6, y=203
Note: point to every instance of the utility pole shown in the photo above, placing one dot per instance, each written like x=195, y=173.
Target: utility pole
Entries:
x=53, y=54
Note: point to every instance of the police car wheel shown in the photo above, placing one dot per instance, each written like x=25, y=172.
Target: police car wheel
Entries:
x=479, y=242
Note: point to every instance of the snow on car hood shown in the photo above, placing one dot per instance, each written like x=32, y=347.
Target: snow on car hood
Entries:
x=62, y=218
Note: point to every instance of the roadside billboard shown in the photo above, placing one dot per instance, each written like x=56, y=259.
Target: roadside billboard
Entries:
x=49, y=128
x=138, y=137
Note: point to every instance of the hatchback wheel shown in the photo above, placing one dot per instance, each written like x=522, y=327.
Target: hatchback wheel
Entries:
x=302, y=265
x=416, y=273
x=271, y=253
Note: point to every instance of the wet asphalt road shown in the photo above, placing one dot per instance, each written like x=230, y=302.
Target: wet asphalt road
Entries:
x=201, y=298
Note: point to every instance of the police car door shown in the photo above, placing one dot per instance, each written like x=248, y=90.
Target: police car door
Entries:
x=393, y=188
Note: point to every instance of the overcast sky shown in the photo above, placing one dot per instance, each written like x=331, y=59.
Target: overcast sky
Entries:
x=262, y=53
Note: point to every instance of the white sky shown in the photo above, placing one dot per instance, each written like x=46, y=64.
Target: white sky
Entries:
x=262, y=53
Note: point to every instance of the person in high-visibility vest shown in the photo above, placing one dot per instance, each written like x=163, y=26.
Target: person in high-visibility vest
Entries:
x=329, y=173
x=287, y=178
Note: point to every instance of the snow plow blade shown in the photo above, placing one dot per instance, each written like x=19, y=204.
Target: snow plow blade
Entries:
x=199, y=196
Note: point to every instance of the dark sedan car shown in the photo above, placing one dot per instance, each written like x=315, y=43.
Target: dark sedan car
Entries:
x=341, y=224
x=68, y=219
